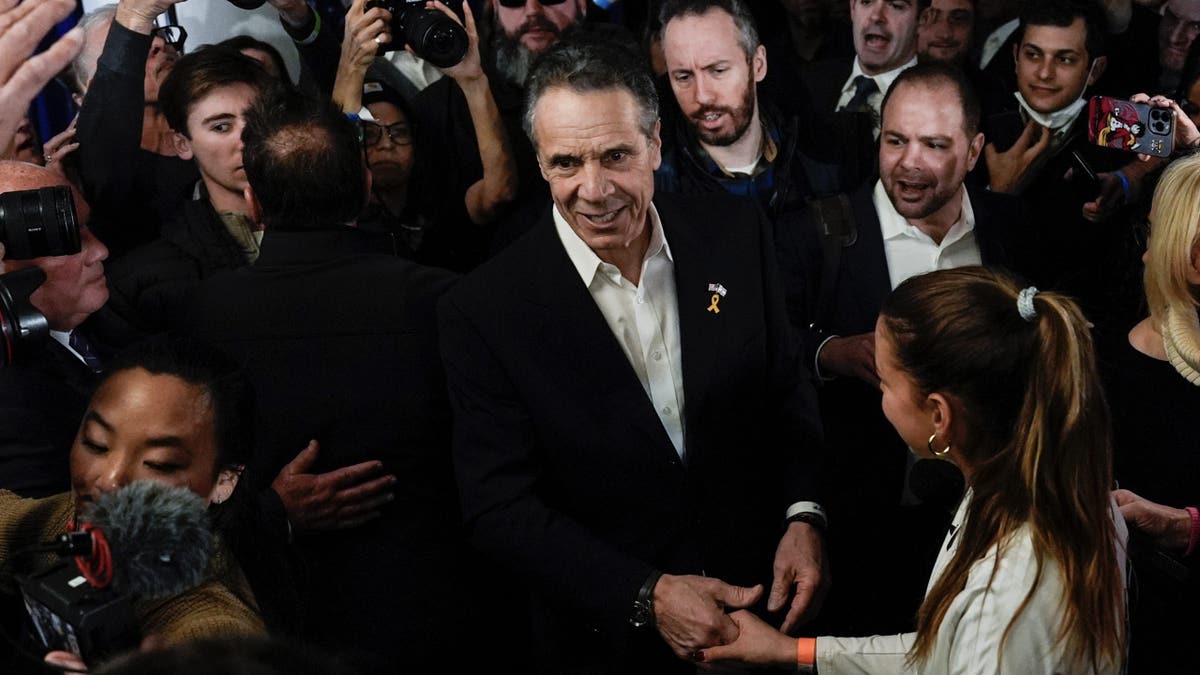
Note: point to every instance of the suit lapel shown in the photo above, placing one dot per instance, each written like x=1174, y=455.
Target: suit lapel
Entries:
x=865, y=263
x=700, y=330
x=575, y=339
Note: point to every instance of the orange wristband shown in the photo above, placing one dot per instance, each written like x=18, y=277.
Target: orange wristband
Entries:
x=806, y=651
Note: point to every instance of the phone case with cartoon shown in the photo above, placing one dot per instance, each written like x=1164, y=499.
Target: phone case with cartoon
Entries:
x=1133, y=127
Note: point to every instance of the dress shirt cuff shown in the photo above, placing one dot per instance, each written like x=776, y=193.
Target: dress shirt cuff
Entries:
x=817, y=360
x=808, y=508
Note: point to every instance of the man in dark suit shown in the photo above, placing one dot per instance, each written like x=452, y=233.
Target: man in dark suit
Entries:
x=43, y=396
x=340, y=344
x=916, y=218
x=633, y=427
x=885, y=43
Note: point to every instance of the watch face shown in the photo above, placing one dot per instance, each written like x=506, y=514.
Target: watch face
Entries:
x=641, y=614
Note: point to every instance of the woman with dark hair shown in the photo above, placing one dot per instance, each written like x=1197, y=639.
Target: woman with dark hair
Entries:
x=173, y=411
x=1002, y=382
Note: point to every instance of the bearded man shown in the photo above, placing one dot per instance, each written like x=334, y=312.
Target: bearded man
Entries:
x=726, y=135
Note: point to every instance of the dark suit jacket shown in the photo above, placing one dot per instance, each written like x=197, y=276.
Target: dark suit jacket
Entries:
x=567, y=475
x=42, y=400
x=824, y=80
x=340, y=345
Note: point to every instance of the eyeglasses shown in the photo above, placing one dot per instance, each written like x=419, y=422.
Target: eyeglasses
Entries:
x=521, y=3
x=172, y=35
x=400, y=133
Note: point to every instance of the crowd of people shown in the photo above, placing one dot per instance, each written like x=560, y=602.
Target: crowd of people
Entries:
x=638, y=337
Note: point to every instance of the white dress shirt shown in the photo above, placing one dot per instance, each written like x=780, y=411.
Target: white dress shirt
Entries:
x=64, y=338
x=644, y=318
x=882, y=80
x=911, y=252
x=968, y=639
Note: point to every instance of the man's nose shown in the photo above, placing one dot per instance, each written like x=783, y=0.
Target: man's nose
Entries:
x=595, y=186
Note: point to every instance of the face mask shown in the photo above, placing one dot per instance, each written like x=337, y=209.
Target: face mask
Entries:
x=1061, y=118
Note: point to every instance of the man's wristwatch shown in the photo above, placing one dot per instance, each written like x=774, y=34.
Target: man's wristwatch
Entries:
x=643, y=606
x=809, y=517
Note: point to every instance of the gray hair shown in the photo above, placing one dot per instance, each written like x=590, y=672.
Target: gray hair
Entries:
x=585, y=67
x=743, y=20
x=83, y=66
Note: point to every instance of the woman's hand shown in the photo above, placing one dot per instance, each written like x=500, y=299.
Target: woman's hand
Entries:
x=1186, y=134
x=757, y=644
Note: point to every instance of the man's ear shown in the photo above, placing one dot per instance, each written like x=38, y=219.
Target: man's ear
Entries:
x=227, y=480
x=252, y=204
x=183, y=145
x=759, y=63
x=656, y=146
x=1098, y=67
x=975, y=150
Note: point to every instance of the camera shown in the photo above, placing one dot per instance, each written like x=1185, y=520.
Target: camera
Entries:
x=33, y=224
x=434, y=36
x=39, y=222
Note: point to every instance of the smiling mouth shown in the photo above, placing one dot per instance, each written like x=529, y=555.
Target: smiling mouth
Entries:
x=603, y=218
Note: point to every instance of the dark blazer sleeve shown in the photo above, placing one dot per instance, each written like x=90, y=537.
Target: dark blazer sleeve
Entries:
x=498, y=469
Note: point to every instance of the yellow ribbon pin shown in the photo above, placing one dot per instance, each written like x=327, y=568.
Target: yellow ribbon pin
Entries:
x=713, y=307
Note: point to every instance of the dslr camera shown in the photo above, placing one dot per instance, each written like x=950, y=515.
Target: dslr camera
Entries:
x=434, y=36
x=33, y=224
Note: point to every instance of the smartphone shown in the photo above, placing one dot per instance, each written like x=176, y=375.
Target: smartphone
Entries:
x=1133, y=127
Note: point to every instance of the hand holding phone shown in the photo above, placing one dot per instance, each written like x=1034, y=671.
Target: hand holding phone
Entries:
x=1133, y=127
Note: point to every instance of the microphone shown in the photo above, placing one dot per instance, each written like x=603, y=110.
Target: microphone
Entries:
x=147, y=540
x=158, y=536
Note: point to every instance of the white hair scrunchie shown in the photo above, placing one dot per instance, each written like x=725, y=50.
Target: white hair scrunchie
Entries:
x=1025, y=303
x=1180, y=331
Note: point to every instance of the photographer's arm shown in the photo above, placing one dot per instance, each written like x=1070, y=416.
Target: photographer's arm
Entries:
x=365, y=30
x=498, y=186
x=22, y=76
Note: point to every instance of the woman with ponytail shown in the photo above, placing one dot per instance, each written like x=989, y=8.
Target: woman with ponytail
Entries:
x=1002, y=382
x=1152, y=375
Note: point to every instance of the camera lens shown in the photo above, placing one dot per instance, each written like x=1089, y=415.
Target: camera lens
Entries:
x=22, y=328
x=434, y=36
x=36, y=223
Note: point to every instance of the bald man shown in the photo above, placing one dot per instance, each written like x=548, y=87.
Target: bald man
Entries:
x=43, y=397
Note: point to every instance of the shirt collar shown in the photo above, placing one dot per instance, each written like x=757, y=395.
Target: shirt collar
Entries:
x=883, y=80
x=585, y=260
x=892, y=225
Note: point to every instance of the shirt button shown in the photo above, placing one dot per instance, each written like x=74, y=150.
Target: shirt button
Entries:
x=657, y=356
x=640, y=300
x=666, y=410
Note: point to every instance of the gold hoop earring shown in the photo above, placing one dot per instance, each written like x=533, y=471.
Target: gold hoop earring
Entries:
x=936, y=453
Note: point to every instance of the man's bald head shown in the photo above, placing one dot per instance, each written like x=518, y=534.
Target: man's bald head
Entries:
x=25, y=176
x=75, y=285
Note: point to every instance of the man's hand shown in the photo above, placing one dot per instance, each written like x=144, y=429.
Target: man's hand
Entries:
x=1007, y=169
x=1111, y=198
x=689, y=611
x=1186, y=134
x=22, y=27
x=343, y=498
x=1169, y=527
x=852, y=356
x=139, y=15
x=470, y=69
x=757, y=644
x=799, y=566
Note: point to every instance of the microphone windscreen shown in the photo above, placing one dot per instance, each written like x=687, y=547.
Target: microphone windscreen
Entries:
x=158, y=535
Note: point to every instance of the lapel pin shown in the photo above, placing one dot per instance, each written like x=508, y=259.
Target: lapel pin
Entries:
x=718, y=292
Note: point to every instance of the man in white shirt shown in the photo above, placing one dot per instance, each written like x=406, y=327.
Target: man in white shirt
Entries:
x=916, y=218
x=634, y=432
